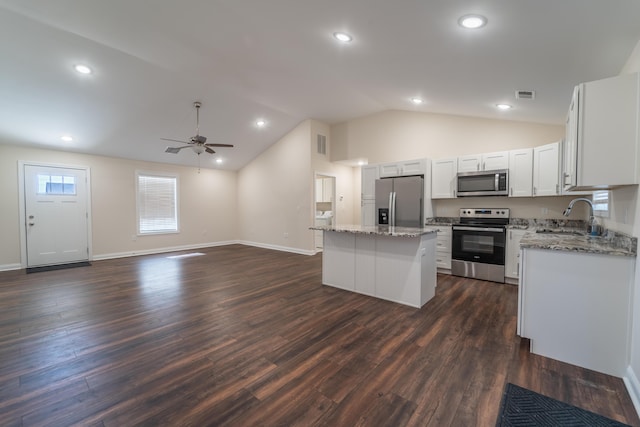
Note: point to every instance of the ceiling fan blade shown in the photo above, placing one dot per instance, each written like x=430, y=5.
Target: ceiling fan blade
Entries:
x=209, y=150
x=175, y=140
x=175, y=150
x=218, y=145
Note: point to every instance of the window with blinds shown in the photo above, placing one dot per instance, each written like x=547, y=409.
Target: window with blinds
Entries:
x=157, y=203
x=601, y=203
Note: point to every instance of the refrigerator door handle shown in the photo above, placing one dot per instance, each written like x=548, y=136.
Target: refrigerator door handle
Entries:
x=393, y=209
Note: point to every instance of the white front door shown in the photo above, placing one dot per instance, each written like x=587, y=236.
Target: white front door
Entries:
x=56, y=210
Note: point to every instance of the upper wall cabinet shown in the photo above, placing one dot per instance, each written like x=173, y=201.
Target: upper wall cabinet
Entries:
x=521, y=172
x=602, y=134
x=484, y=162
x=546, y=164
x=409, y=167
x=443, y=178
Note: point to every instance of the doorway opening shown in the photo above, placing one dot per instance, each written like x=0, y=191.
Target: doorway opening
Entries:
x=325, y=205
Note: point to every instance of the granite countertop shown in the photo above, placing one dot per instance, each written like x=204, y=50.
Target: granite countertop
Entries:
x=610, y=243
x=563, y=235
x=379, y=230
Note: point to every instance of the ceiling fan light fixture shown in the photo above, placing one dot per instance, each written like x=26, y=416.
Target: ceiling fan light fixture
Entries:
x=198, y=149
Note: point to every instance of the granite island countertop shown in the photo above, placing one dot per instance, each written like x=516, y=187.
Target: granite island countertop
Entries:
x=378, y=230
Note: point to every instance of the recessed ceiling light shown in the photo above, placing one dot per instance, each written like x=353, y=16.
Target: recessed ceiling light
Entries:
x=66, y=138
x=218, y=160
x=343, y=37
x=503, y=107
x=361, y=163
x=472, y=21
x=82, y=69
x=417, y=101
x=261, y=123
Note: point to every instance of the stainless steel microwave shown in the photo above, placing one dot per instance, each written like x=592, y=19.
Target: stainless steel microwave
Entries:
x=483, y=183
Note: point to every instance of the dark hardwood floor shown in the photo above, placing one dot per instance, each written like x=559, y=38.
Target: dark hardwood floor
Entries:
x=249, y=337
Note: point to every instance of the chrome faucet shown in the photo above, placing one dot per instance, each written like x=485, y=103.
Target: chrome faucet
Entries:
x=593, y=228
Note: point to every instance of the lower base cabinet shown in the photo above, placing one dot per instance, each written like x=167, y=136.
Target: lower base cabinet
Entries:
x=576, y=307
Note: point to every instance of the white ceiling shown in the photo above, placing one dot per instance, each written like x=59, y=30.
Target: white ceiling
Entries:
x=277, y=60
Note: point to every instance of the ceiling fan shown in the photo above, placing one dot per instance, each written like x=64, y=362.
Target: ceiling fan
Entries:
x=198, y=143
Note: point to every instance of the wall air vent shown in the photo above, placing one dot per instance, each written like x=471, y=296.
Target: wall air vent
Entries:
x=322, y=145
x=525, y=94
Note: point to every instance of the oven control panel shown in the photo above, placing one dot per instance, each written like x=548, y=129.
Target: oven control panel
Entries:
x=484, y=213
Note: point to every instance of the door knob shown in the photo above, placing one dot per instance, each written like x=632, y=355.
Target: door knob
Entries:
x=32, y=223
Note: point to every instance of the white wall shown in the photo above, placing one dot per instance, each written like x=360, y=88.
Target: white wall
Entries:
x=208, y=208
x=275, y=194
x=625, y=216
x=344, y=197
x=404, y=135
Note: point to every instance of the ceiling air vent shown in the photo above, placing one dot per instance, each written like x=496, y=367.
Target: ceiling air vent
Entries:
x=322, y=145
x=525, y=94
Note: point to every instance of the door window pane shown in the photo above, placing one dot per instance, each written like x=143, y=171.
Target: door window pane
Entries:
x=56, y=185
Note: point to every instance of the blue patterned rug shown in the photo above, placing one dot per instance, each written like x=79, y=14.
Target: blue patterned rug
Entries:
x=521, y=407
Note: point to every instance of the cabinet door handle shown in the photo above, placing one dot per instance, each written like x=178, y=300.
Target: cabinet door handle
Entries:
x=478, y=167
x=511, y=191
x=534, y=191
x=484, y=165
x=557, y=188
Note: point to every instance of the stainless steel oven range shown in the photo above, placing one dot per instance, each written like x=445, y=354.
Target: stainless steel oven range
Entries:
x=478, y=244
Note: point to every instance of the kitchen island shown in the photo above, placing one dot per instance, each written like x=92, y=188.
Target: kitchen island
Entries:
x=392, y=263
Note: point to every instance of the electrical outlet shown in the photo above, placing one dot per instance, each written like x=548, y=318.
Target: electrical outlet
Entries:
x=545, y=211
x=286, y=235
x=134, y=237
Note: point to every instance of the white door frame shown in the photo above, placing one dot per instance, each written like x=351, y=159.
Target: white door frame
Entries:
x=22, y=208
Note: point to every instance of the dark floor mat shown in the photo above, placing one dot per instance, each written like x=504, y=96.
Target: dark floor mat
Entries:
x=58, y=267
x=522, y=407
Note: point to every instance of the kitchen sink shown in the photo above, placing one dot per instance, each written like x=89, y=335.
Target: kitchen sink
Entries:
x=563, y=232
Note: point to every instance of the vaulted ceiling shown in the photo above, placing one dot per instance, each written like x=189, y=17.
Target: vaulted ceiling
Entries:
x=278, y=61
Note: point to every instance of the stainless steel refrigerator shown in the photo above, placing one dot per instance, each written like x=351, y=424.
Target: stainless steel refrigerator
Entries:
x=399, y=201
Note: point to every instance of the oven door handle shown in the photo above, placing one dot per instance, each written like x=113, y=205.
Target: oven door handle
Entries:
x=494, y=230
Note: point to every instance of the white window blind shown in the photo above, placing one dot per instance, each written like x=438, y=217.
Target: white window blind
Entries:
x=601, y=203
x=157, y=203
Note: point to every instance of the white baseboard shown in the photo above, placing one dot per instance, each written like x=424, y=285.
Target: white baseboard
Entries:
x=633, y=387
x=8, y=267
x=199, y=246
x=278, y=248
x=114, y=255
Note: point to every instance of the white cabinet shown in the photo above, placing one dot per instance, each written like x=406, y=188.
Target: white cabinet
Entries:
x=443, y=246
x=484, y=162
x=512, y=255
x=369, y=174
x=603, y=134
x=546, y=164
x=576, y=307
x=443, y=178
x=408, y=167
x=521, y=173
